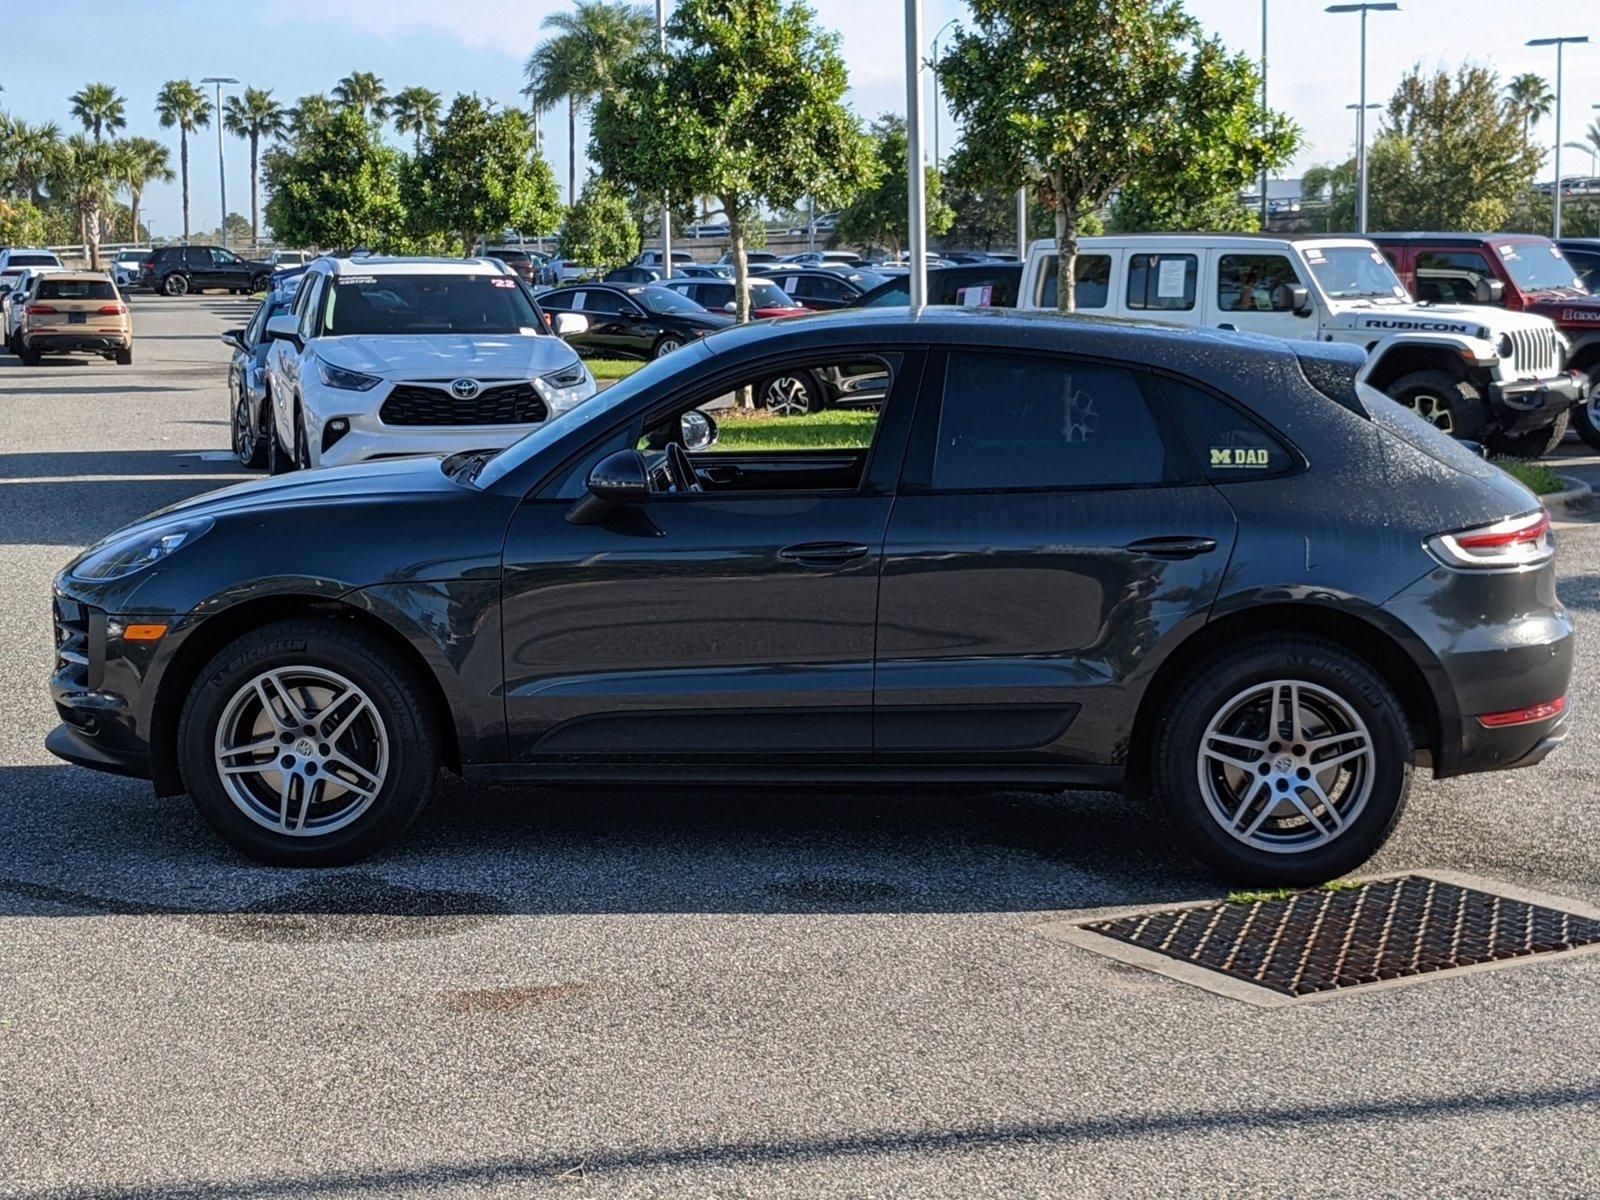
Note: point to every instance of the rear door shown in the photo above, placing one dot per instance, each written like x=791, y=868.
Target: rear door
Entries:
x=1052, y=528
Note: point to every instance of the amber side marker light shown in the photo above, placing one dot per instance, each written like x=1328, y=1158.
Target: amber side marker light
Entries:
x=144, y=633
x=1525, y=716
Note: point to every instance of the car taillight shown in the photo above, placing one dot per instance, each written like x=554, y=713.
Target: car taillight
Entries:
x=1524, y=716
x=41, y=310
x=111, y=310
x=1514, y=542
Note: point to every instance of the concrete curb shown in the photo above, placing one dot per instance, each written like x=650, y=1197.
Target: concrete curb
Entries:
x=1576, y=499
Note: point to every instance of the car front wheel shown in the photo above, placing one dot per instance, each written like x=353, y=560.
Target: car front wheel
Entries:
x=1285, y=761
x=1586, y=416
x=308, y=743
x=249, y=445
x=790, y=395
x=175, y=284
x=1450, y=405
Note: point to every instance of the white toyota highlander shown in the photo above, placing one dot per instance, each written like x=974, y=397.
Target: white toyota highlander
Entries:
x=382, y=357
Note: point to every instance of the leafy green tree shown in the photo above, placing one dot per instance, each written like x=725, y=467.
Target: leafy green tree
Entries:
x=83, y=175
x=98, y=108
x=25, y=154
x=1082, y=97
x=415, y=110
x=986, y=217
x=140, y=161
x=746, y=106
x=255, y=115
x=22, y=223
x=599, y=231
x=337, y=186
x=306, y=113
x=880, y=213
x=479, y=175
x=1142, y=208
x=579, y=63
x=364, y=92
x=1529, y=97
x=181, y=104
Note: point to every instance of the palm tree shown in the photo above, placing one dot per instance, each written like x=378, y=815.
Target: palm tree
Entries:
x=25, y=154
x=84, y=174
x=307, y=113
x=416, y=111
x=1529, y=96
x=98, y=108
x=179, y=103
x=140, y=162
x=579, y=62
x=255, y=115
x=362, y=91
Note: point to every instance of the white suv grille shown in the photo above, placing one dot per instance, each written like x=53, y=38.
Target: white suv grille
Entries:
x=1535, y=353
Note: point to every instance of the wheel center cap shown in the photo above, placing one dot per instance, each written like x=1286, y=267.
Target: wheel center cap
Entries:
x=305, y=748
x=1283, y=764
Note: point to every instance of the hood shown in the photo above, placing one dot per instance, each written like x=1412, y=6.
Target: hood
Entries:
x=1575, y=311
x=448, y=355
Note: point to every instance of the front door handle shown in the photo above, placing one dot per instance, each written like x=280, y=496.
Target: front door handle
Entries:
x=1229, y=326
x=1176, y=546
x=822, y=554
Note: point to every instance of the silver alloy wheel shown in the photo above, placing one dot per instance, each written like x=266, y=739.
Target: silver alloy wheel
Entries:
x=244, y=433
x=666, y=346
x=176, y=284
x=1434, y=410
x=301, y=751
x=1286, y=766
x=1592, y=404
x=787, y=396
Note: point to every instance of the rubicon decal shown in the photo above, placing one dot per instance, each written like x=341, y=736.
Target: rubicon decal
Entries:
x=1416, y=326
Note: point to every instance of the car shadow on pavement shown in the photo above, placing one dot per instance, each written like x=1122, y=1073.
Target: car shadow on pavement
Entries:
x=82, y=843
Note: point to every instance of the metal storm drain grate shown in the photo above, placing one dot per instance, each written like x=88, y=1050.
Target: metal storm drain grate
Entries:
x=1330, y=940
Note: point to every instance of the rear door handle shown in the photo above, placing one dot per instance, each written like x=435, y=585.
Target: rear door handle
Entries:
x=1176, y=546
x=822, y=554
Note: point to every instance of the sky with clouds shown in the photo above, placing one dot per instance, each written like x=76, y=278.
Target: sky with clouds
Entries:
x=301, y=46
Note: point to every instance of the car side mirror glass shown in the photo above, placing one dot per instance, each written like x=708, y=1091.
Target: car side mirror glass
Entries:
x=284, y=328
x=1292, y=297
x=699, y=430
x=568, y=323
x=1488, y=291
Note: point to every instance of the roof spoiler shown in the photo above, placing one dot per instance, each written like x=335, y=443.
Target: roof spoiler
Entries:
x=1332, y=369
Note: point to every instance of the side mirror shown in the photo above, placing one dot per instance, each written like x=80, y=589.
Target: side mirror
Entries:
x=234, y=338
x=567, y=324
x=617, y=479
x=284, y=328
x=1292, y=297
x=699, y=430
x=1488, y=291
x=730, y=307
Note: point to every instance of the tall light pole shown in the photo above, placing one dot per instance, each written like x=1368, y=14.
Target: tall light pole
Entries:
x=1361, y=113
x=666, y=200
x=222, y=174
x=937, y=109
x=916, y=178
x=1263, y=108
x=1560, y=43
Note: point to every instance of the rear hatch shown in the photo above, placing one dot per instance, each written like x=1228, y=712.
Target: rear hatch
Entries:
x=76, y=304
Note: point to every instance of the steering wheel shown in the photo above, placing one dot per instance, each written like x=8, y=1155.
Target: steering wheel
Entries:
x=680, y=470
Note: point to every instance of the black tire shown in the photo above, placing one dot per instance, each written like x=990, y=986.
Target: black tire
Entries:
x=30, y=358
x=125, y=357
x=302, y=448
x=1586, y=416
x=1535, y=443
x=397, y=698
x=252, y=454
x=175, y=284
x=279, y=461
x=1210, y=687
x=794, y=395
x=258, y=283
x=1426, y=391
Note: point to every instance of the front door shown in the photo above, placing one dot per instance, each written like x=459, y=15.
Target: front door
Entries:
x=1052, y=528
x=729, y=624
x=1247, y=292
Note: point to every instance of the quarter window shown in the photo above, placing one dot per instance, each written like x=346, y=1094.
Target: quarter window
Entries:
x=1162, y=281
x=1250, y=283
x=1091, y=281
x=1022, y=421
x=1229, y=445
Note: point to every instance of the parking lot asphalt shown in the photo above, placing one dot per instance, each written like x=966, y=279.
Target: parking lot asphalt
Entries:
x=738, y=994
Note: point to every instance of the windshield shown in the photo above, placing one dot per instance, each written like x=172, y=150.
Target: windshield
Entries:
x=35, y=260
x=1539, y=267
x=398, y=304
x=664, y=300
x=1354, y=273
x=130, y=256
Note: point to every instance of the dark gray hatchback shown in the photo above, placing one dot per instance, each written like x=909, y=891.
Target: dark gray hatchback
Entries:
x=1057, y=553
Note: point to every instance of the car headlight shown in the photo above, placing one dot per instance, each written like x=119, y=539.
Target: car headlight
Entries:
x=566, y=388
x=125, y=556
x=568, y=377
x=1503, y=346
x=346, y=380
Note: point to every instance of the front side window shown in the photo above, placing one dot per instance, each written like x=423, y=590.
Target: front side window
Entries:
x=313, y=303
x=663, y=300
x=427, y=303
x=224, y=258
x=1091, y=281
x=1162, y=281
x=252, y=331
x=1250, y=283
x=1014, y=421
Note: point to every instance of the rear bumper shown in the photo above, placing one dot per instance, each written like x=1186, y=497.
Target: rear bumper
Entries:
x=62, y=341
x=1526, y=404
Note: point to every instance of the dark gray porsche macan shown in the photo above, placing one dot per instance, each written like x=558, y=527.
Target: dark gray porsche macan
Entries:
x=1059, y=553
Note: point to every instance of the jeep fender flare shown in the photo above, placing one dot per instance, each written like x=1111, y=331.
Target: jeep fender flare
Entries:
x=1388, y=358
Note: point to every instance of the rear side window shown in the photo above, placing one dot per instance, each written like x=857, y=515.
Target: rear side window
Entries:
x=76, y=289
x=1012, y=421
x=1250, y=283
x=1228, y=444
x=1091, y=281
x=1162, y=281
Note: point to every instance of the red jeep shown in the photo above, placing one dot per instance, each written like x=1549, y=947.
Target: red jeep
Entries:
x=1519, y=271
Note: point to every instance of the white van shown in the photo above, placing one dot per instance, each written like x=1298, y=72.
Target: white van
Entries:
x=1477, y=373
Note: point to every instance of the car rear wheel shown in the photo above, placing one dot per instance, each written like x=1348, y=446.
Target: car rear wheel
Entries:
x=125, y=357
x=1586, y=416
x=176, y=284
x=665, y=345
x=308, y=743
x=249, y=443
x=1450, y=405
x=1284, y=761
x=29, y=357
x=1535, y=443
x=790, y=395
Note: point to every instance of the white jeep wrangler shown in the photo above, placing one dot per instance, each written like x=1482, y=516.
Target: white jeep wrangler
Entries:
x=1480, y=374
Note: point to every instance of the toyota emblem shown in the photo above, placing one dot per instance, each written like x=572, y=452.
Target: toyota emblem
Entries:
x=464, y=389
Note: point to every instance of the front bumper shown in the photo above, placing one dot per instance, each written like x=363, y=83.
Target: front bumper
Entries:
x=1527, y=404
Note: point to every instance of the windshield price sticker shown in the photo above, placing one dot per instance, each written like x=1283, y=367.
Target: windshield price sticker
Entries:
x=976, y=297
x=1314, y=255
x=1169, y=284
x=1507, y=251
x=504, y=283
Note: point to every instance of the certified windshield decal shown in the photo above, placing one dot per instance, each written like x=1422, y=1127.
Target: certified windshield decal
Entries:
x=347, y=280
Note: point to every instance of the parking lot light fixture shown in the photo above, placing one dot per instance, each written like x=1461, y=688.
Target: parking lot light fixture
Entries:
x=1361, y=113
x=222, y=174
x=1560, y=43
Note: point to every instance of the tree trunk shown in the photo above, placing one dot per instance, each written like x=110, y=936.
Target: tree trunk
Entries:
x=741, y=267
x=183, y=160
x=92, y=223
x=572, y=149
x=1066, y=256
x=255, y=191
x=133, y=213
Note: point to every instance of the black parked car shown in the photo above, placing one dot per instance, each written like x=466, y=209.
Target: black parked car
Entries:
x=816, y=287
x=178, y=270
x=989, y=284
x=632, y=321
x=633, y=275
x=1065, y=553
